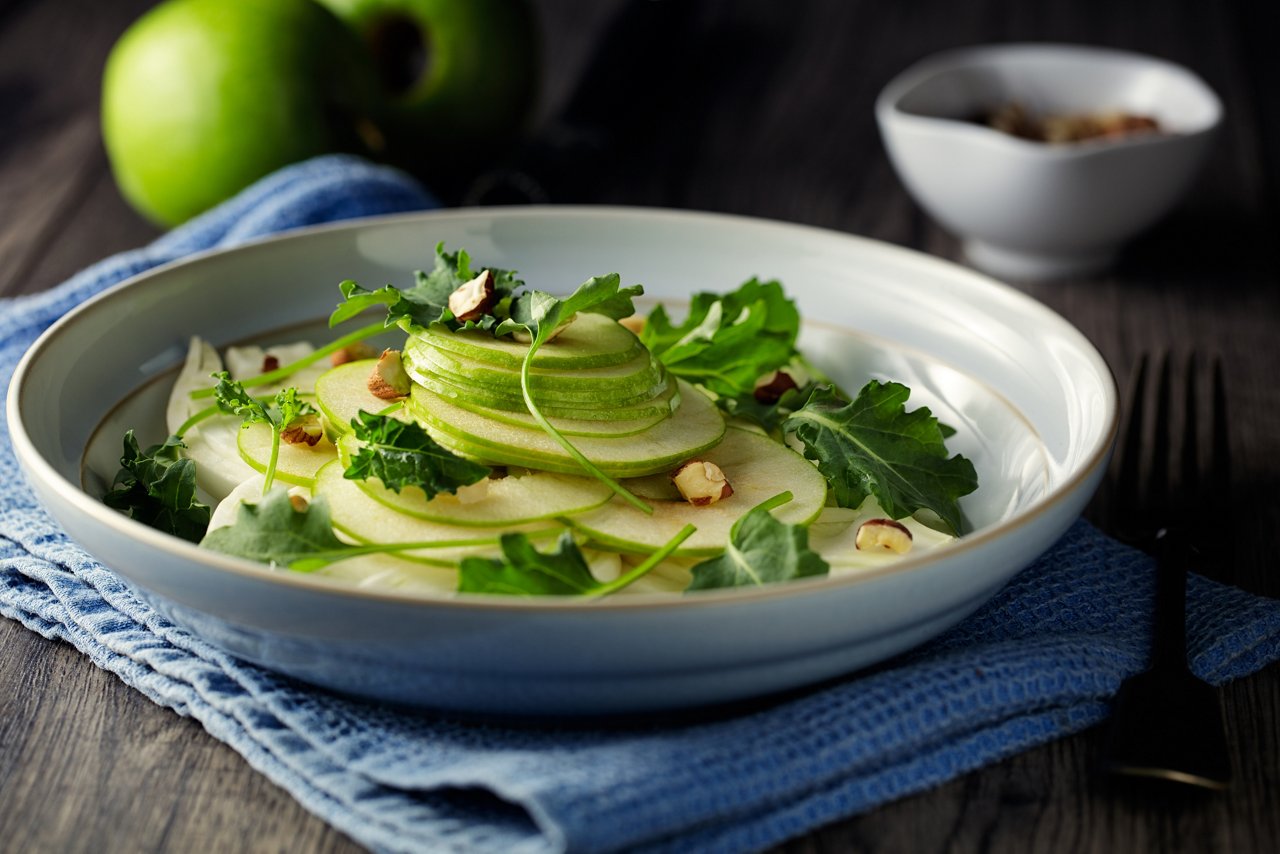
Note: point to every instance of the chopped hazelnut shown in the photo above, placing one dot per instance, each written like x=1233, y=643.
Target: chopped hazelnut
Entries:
x=352, y=353
x=299, y=503
x=770, y=387
x=388, y=380
x=883, y=534
x=474, y=298
x=303, y=430
x=269, y=363
x=701, y=483
x=635, y=323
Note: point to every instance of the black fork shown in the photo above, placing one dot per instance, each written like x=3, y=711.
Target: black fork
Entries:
x=1166, y=722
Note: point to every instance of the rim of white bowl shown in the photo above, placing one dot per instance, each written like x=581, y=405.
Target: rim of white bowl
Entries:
x=37, y=466
x=890, y=112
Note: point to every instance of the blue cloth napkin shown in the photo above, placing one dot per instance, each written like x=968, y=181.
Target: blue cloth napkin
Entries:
x=1039, y=661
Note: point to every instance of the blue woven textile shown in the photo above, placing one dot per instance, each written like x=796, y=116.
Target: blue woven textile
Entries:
x=1039, y=661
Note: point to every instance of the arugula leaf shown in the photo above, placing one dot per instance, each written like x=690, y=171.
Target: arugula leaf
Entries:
x=539, y=314
x=277, y=414
x=401, y=454
x=158, y=488
x=761, y=550
x=728, y=341
x=524, y=571
x=874, y=446
x=428, y=301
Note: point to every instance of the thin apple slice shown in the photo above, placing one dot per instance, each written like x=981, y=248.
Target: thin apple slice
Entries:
x=365, y=520
x=295, y=464
x=638, y=379
x=660, y=405
x=757, y=467
x=590, y=341
x=834, y=536
x=696, y=426
x=510, y=500
x=343, y=391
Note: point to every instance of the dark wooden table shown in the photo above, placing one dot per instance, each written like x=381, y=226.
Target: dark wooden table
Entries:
x=761, y=108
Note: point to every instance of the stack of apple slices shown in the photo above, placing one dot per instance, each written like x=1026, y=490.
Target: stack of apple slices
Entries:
x=594, y=382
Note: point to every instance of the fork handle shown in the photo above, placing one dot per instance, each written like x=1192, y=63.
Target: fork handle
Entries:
x=1169, y=638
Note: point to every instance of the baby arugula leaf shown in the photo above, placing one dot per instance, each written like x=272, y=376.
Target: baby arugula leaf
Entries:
x=277, y=414
x=874, y=446
x=761, y=550
x=158, y=488
x=539, y=314
x=728, y=341
x=524, y=571
x=427, y=302
x=401, y=454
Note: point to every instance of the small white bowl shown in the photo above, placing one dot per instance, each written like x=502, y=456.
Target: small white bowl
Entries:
x=1031, y=210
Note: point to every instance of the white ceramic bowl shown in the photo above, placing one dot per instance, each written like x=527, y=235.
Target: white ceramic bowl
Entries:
x=1034, y=404
x=1028, y=210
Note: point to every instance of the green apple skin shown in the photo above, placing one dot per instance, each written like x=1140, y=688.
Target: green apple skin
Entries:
x=475, y=87
x=202, y=97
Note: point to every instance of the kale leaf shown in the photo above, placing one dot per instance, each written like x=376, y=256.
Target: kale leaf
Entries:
x=874, y=446
x=401, y=454
x=158, y=488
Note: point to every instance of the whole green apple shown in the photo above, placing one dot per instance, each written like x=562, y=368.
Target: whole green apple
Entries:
x=459, y=76
x=202, y=97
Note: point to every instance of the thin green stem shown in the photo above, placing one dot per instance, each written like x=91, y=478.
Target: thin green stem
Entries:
x=271, y=463
x=643, y=568
x=568, y=446
x=207, y=412
x=316, y=560
x=766, y=505
x=309, y=359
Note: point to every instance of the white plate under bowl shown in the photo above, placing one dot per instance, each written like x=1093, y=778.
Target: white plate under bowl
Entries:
x=1034, y=403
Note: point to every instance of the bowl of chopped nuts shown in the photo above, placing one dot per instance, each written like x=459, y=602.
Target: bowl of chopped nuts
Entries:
x=1044, y=159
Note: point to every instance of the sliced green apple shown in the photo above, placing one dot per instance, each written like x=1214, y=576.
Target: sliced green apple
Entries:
x=757, y=468
x=296, y=464
x=590, y=341
x=516, y=498
x=696, y=426
x=343, y=391
x=365, y=520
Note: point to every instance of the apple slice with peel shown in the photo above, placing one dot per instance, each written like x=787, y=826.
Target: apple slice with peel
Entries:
x=695, y=426
x=590, y=341
x=490, y=503
x=365, y=520
x=295, y=464
x=757, y=468
x=342, y=392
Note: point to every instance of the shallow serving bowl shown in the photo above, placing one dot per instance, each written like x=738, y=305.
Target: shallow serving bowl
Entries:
x=1033, y=402
x=1031, y=210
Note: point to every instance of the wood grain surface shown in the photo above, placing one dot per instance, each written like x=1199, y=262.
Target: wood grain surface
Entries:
x=761, y=108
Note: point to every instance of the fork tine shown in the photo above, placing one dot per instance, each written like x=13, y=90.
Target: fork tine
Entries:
x=1127, y=525
x=1219, y=480
x=1190, y=479
x=1158, y=482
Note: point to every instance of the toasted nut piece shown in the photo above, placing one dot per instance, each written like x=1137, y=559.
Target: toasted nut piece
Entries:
x=701, y=483
x=770, y=387
x=303, y=430
x=299, y=503
x=884, y=534
x=270, y=363
x=474, y=298
x=388, y=380
x=352, y=353
x=635, y=323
